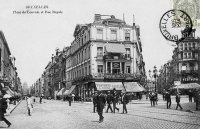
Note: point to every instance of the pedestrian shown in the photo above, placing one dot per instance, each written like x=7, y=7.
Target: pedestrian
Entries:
x=124, y=101
x=3, y=107
x=94, y=99
x=70, y=99
x=115, y=100
x=156, y=98
x=109, y=99
x=29, y=105
x=168, y=99
x=40, y=99
x=178, y=98
x=152, y=98
x=73, y=96
x=197, y=99
x=101, y=100
x=163, y=94
x=190, y=94
x=8, y=105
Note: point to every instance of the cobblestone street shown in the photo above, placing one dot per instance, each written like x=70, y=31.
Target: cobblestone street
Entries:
x=59, y=115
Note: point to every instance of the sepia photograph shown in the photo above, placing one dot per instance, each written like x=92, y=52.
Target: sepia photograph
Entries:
x=100, y=64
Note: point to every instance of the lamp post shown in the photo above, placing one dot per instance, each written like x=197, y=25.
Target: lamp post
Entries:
x=155, y=75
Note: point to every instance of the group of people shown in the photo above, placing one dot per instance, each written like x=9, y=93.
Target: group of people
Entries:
x=100, y=100
x=153, y=97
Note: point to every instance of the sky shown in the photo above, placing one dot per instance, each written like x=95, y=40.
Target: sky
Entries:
x=33, y=38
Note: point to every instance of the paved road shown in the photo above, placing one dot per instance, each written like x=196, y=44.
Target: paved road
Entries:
x=58, y=115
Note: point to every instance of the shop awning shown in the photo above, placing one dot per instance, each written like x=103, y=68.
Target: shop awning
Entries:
x=109, y=85
x=60, y=92
x=115, y=48
x=9, y=91
x=70, y=90
x=133, y=87
x=188, y=86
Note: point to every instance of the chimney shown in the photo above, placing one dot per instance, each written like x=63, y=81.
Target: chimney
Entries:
x=97, y=17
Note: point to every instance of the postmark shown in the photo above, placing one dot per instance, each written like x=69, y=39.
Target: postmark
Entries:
x=175, y=25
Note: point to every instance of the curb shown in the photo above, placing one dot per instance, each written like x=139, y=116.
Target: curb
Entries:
x=14, y=107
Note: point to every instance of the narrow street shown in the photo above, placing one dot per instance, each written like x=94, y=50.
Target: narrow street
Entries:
x=59, y=115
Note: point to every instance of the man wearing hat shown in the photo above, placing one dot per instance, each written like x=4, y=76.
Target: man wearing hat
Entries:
x=124, y=101
x=115, y=100
x=101, y=100
x=94, y=101
x=109, y=99
x=3, y=107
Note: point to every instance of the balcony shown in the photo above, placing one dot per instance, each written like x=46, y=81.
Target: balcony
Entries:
x=115, y=76
x=187, y=58
x=116, y=57
x=189, y=71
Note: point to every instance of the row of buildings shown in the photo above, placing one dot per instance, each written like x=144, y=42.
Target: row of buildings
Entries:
x=184, y=66
x=104, y=55
x=9, y=79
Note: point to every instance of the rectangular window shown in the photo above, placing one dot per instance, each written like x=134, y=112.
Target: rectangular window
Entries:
x=189, y=55
x=127, y=36
x=128, y=53
x=185, y=55
x=128, y=69
x=113, y=35
x=100, y=69
x=99, y=34
x=99, y=51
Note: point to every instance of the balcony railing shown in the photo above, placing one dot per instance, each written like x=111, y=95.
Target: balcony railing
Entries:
x=113, y=57
x=188, y=71
x=115, y=76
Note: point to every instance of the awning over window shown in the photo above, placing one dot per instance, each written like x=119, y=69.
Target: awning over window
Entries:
x=109, y=85
x=60, y=92
x=188, y=86
x=115, y=48
x=70, y=90
x=9, y=91
x=133, y=87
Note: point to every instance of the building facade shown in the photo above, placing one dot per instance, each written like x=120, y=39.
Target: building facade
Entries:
x=185, y=64
x=107, y=50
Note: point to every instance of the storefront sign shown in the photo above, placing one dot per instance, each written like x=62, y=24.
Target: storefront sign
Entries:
x=109, y=85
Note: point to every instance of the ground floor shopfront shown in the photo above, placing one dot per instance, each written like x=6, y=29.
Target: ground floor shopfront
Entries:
x=84, y=91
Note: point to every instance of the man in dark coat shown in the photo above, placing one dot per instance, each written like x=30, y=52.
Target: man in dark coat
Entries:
x=124, y=101
x=178, y=98
x=109, y=101
x=101, y=100
x=3, y=107
x=94, y=101
x=168, y=99
x=115, y=100
x=70, y=99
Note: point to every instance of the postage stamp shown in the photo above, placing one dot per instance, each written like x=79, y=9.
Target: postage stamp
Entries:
x=191, y=7
x=175, y=25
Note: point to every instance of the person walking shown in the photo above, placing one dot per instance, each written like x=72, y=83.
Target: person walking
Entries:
x=190, y=94
x=29, y=105
x=94, y=99
x=151, y=98
x=40, y=99
x=115, y=100
x=168, y=99
x=101, y=100
x=178, y=98
x=3, y=107
x=70, y=99
x=109, y=99
x=124, y=101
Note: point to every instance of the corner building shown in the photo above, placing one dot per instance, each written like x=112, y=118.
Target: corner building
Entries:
x=104, y=55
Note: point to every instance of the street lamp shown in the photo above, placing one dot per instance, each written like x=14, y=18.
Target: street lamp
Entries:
x=155, y=75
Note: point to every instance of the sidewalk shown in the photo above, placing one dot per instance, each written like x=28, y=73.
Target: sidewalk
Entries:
x=186, y=105
x=12, y=108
